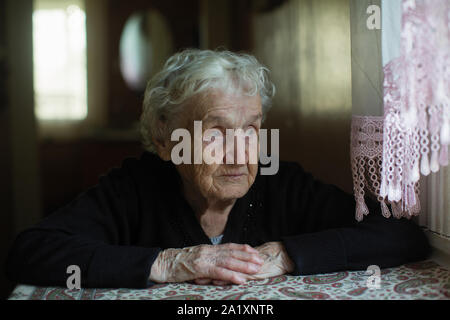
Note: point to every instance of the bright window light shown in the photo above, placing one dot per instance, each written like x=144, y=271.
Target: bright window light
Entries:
x=59, y=41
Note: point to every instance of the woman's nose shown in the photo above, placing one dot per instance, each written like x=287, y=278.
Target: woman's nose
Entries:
x=237, y=149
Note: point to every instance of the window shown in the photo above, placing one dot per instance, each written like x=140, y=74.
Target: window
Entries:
x=59, y=44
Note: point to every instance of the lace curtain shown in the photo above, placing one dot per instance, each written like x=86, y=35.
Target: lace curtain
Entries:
x=390, y=151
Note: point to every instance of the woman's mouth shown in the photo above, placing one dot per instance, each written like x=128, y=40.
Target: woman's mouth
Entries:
x=233, y=175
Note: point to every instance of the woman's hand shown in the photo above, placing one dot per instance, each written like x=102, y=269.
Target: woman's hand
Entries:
x=207, y=263
x=276, y=261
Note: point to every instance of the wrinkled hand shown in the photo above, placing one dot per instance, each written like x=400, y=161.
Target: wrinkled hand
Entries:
x=207, y=263
x=276, y=261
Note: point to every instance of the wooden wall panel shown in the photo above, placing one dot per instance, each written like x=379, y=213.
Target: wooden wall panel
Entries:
x=306, y=44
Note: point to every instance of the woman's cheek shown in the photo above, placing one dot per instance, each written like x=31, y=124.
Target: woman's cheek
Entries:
x=213, y=148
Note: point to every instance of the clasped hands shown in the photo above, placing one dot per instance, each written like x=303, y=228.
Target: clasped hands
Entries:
x=221, y=264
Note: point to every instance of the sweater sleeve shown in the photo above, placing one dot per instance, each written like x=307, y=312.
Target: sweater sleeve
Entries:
x=327, y=238
x=95, y=233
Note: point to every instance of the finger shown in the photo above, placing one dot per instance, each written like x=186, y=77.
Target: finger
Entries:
x=241, y=247
x=248, y=257
x=224, y=274
x=243, y=252
x=202, y=281
x=220, y=283
x=238, y=265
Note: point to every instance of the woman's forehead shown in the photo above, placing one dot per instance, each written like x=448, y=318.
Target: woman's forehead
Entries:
x=218, y=104
x=246, y=115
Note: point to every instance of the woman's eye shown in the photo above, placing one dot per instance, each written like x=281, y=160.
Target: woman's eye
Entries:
x=212, y=134
x=218, y=130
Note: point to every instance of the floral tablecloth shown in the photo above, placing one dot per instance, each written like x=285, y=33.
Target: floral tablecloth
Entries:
x=422, y=280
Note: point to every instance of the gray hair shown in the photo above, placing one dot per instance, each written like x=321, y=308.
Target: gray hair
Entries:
x=191, y=72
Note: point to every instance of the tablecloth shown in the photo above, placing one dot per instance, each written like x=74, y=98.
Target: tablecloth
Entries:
x=422, y=280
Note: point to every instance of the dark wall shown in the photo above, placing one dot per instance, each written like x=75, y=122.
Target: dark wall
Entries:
x=306, y=45
x=68, y=168
x=182, y=16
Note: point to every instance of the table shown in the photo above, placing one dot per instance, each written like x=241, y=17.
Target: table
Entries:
x=422, y=280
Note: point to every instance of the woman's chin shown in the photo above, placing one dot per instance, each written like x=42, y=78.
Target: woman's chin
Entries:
x=232, y=190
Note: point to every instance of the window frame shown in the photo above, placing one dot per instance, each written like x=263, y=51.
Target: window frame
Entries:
x=96, y=76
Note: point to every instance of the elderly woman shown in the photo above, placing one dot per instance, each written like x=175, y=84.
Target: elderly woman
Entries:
x=152, y=221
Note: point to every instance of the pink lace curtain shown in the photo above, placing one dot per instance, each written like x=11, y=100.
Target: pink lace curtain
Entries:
x=389, y=153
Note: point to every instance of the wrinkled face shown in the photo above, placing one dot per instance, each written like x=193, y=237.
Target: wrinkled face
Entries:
x=218, y=112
